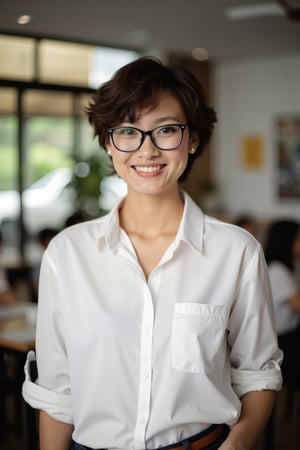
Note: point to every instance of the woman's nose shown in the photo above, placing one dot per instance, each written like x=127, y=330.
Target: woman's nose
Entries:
x=148, y=149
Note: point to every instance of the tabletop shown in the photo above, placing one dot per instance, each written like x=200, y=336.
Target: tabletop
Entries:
x=17, y=326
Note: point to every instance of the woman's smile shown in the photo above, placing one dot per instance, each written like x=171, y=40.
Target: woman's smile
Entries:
x=148, y=169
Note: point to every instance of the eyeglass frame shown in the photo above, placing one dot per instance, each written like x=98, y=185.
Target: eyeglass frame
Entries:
x=148, y=133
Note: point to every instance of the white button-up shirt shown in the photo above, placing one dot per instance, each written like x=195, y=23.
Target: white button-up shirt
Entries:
x=137, y=363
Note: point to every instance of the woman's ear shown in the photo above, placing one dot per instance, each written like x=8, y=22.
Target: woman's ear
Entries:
x=108, y=148
x=193, y=144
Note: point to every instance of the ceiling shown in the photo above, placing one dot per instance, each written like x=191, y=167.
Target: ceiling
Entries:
x=158, y=26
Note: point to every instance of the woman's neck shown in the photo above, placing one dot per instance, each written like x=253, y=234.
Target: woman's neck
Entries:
x=149, y=215
x=151, y=222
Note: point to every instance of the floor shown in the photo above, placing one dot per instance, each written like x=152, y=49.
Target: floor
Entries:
x=286, y=430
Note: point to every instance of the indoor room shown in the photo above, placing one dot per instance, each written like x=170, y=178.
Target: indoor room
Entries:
x=55, y=173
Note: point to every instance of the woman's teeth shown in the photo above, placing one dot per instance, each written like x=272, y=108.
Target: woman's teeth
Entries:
x=147, y=168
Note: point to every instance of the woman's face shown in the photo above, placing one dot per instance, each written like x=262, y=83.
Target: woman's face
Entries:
x=150, y=170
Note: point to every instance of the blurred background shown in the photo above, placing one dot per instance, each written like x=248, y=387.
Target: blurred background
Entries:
x=53, y=54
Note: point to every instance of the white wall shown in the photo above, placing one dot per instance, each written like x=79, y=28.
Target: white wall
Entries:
x=249, y=96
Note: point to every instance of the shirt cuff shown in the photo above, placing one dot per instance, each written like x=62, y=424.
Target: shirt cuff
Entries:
x=58, y=406
x=244, y=381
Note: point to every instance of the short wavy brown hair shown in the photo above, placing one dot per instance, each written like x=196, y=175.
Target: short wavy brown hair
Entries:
x=137, y=86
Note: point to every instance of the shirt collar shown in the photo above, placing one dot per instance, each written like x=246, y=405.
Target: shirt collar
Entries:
x=191, y=228
x=110, y=228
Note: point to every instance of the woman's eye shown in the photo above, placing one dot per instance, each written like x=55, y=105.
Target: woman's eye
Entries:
x=167, y=130
x=127, y=131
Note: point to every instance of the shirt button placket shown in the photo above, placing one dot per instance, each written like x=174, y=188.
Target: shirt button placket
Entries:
x=145, y=372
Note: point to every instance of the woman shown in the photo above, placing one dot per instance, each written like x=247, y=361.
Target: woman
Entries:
x=282, y=251
x=154, y=327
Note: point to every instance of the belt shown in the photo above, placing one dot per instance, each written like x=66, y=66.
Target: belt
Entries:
x=200, y=440
x=196, y=442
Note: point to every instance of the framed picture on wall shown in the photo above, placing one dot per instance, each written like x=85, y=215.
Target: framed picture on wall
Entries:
x=288, y=157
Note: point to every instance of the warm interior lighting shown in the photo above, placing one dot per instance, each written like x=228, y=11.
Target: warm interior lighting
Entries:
x=200, y=54
x=240, y=12
x=23, y=19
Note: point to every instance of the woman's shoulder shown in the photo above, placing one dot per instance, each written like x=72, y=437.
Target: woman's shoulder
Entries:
x=230, y=231
x=79, y=235
x=222, y=230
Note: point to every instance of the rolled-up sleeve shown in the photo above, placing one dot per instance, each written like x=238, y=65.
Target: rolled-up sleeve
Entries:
x=51, y=391
x=58, y=406
x=255, y=356
x=246, y=380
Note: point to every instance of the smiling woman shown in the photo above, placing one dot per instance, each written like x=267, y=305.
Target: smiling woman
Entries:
x=169, y=302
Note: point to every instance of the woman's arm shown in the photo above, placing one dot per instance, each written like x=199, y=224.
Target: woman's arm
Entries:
x=256, y=410
x=54, y=434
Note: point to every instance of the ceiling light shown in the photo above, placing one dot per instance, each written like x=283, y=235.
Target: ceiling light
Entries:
x=253, y=11
x=24, y=19
x=200, y=54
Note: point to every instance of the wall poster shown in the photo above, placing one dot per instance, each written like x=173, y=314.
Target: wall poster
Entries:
x=287, y=144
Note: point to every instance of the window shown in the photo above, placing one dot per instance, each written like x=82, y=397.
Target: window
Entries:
x=64, y=63
x=8, y=140
x=46, y=141
x=17, y=58
x=58, y=62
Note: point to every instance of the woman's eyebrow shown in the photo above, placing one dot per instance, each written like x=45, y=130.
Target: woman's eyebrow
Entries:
x=158, y=121
x=169, y=119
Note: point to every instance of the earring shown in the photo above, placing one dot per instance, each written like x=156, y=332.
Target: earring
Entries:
x=109, y=152
x=192, y=151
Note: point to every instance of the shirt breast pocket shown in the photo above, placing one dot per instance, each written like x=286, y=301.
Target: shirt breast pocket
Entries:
x=198, y=336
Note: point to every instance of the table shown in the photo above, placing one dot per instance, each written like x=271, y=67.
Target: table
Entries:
x=17, y=337
x=17, y=326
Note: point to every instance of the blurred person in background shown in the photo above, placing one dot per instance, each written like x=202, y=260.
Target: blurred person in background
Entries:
x=73, y=219
x=7, y=294
x=282, y=251
x=44, y=237
x=248, y=223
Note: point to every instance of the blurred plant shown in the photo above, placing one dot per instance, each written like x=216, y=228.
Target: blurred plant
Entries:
x=86, y=183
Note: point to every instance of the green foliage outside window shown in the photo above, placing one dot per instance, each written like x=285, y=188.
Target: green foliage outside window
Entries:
x=8, y=153
x=86, y=182
x=49, y=147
